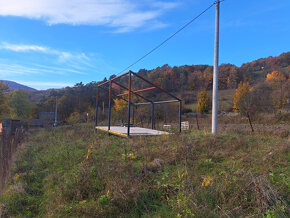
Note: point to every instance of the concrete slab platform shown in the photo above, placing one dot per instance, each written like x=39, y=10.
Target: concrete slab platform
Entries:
x=134, y=131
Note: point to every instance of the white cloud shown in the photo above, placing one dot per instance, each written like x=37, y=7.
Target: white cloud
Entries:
x=9, y=69
x=63, y=56
x=22, y=48
x=44, y=62
x=124, y=15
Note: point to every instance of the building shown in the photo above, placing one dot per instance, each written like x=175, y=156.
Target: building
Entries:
x=47, y=118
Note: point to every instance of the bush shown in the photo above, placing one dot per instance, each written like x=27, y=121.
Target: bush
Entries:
x=203, y=104
x=74, y=118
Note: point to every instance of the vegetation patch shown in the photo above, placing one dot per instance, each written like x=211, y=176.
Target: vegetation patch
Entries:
x=73, y=171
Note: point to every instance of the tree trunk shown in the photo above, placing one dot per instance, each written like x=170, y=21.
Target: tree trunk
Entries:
x=248, y=115
x=197, y=122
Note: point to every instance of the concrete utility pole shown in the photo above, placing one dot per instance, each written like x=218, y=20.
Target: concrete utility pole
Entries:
x=215, y=72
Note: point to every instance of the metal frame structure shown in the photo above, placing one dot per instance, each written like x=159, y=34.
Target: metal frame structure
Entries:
x=130, y=103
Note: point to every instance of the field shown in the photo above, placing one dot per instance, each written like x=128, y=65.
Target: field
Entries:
x=73, y=171
x=225, y=100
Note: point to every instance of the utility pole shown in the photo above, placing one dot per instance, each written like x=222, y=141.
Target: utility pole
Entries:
x=55, y=115
x=215, y=72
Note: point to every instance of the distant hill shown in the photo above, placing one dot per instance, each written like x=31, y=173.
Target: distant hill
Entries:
x=183, y=81
x=14, y=86
x=36, y=96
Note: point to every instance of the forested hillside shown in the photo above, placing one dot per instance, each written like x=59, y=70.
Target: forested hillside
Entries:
x=184, y=81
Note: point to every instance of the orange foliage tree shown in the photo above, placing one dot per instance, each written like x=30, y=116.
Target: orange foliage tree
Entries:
x=242, y=98
x=276, y=79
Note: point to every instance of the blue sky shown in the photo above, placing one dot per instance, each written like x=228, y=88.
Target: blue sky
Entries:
x=56, y=43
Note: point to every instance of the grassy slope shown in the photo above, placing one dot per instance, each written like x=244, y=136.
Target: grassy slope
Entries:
x=71, y=171
x=225, y=100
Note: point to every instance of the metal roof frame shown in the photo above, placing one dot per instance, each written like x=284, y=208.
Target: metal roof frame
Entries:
x=130, y=103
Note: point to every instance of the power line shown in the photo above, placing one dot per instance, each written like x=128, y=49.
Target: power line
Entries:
x=166, y=40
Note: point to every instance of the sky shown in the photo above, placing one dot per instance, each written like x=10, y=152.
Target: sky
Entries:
x=58, y=43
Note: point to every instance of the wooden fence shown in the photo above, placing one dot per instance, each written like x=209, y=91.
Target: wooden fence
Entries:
x=9, y=142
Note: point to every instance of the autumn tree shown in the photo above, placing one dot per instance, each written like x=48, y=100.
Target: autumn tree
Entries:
x=120, y=105
x=232, y=80
x=19, y=103
x=276, y=80
x=242, y=98
x=243, y=101
x=203, y=103
x=65, y=106
x=208, y=77
x=260, y=97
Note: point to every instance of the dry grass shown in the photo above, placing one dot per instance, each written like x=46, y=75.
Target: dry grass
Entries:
x=71, y=171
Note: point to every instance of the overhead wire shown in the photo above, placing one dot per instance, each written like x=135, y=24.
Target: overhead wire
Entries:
x=167, y=39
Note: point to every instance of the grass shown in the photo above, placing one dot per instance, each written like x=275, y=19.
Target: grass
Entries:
x=72, y=171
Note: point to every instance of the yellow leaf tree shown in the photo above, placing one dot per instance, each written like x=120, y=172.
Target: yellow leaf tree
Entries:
x=276, y=80
x=242, y=98
x=120, y=105
x=203, y=103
